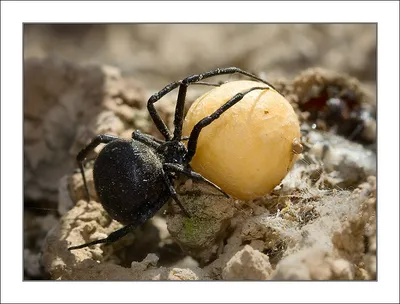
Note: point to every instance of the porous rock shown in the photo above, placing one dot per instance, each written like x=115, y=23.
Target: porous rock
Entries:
x=200, y=235
x=87, y=222
x=247, y=264
x=65, y=105
x=356, y=239
x=313, y=264
x=346, y=163
x=284, y=236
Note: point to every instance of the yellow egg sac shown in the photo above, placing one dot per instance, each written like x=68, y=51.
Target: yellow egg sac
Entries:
x=248, y=150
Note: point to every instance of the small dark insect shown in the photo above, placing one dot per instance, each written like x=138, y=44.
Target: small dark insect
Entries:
x=134, y=178
x=339, y=109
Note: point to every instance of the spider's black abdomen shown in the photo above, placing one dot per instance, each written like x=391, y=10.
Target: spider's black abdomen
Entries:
x=129, y=181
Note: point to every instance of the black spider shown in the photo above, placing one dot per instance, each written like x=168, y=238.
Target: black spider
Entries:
x=134, y=178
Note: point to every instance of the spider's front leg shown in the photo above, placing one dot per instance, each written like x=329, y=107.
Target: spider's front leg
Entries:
x=180, y=104
x=194, y=135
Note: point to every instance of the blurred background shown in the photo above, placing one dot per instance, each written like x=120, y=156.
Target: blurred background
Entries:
x=58, y=95
x=159, y=53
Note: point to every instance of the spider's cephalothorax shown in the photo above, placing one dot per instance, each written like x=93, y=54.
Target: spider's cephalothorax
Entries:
x=172, y=151
x=134, y=178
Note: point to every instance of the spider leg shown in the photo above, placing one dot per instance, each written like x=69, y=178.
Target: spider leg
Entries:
x=194, y=135
x=146, y=139
x=180, y=104
x=120, y=233
x=174, y=194
x=183, y=84
x=160, y=124
x=180, y=169
x=114, y=236
x=209, y=83
x=99, y=139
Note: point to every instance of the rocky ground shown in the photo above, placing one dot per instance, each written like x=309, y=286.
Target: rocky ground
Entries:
x=319, y=223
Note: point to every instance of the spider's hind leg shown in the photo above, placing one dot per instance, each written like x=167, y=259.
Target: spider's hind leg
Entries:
x=147, y=139
x=140, y=219
x=114, y=236
x=99, y=139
